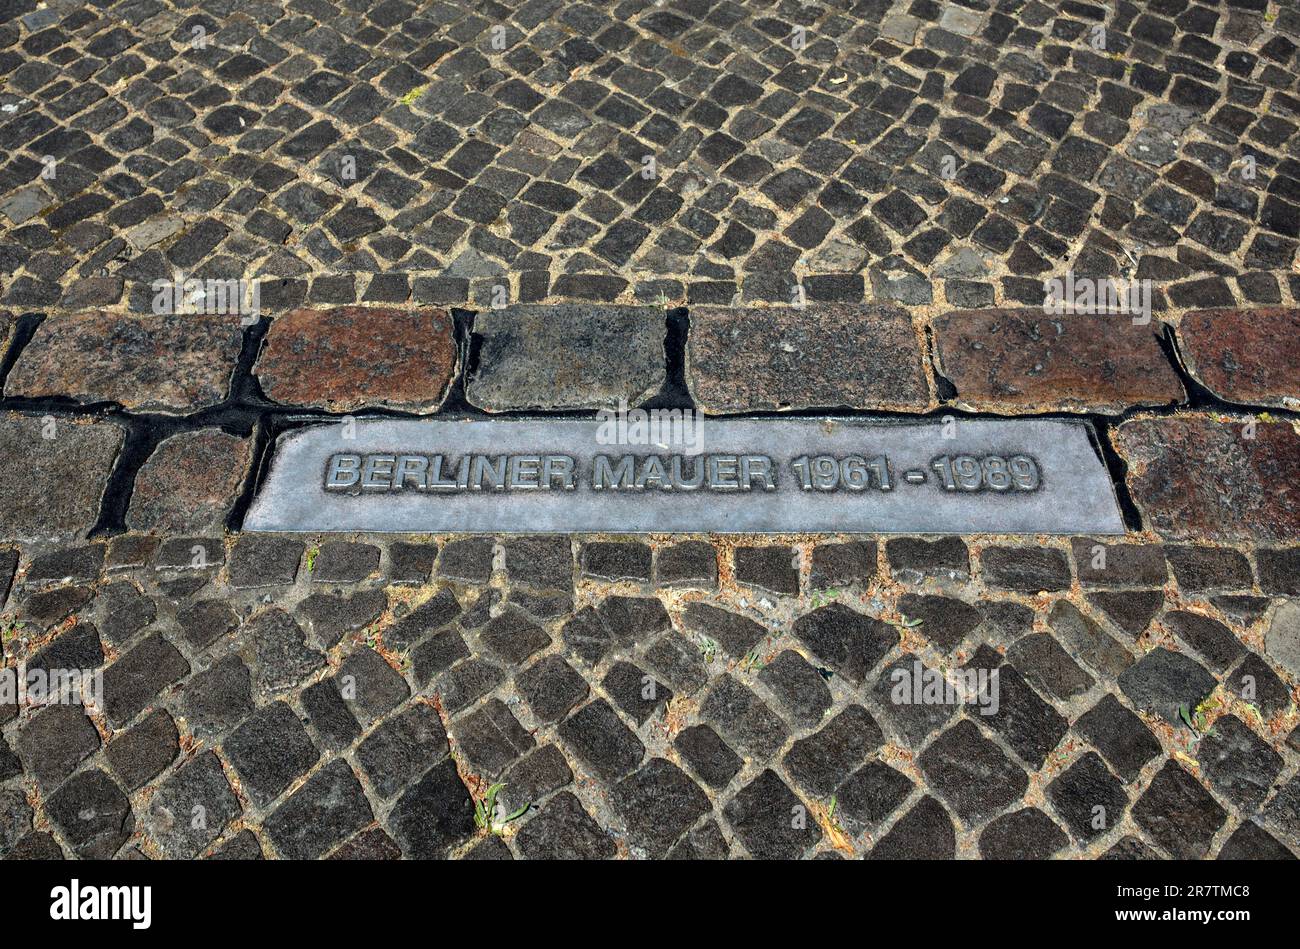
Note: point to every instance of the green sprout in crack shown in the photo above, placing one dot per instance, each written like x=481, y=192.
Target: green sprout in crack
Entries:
x=908, y=622
x=830, y=815
x=487, y=813
x=11, y=629
x=413, y=95
x=822, y=597
x=311, y=558
x=709, y=648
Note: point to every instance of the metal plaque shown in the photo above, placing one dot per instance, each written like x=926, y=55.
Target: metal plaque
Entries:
x=673, y=472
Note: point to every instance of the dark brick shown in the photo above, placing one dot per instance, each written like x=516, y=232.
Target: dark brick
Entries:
x=1179, y=814
x=434, y=815
x=400, y=749
x=770, y=820
x=326, y=810
x=270, y=751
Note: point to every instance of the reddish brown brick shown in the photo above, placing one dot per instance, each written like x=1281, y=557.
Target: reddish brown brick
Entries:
x=169, y=363
x=1018, y=361
x=355, y=357
x=1201, y=476
x=819, y=356
x=189, y=482
x=1246, y=356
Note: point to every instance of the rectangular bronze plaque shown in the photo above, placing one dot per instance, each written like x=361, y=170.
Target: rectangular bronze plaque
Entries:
x=665, y=473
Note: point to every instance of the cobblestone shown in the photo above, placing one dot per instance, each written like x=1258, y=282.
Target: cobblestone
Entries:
x=51, y=487
x=1024, y=361
x=172, y=364
x=353, y=358
x=734, y=224
x=824, y=356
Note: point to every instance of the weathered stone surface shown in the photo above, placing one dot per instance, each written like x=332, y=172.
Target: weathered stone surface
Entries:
x=707, y=755
x=564, y=831
x=972, y=773
x=434, y=815
x=93, y=813
x=914, y=559
x=171, y=363
x=1179, y=814
x=1197, y=477
x=850, y=642
x=820, y=762
x=819, y=356
x=735, y=633
x=144, y=751
x=327, y=809
x=533, y=777
x=760, y=814
x=1246, y=356
x=1164, y=681
x=136, y=678
x=870, y=795
x=55, y=741
x=1121, y=737
x=1016, y=361
x=52, y=487
x=355, y=357
x=1088, y=797
x=1027, y=834
x=567, y=357
x=270, y=751
x=200, y=783
x=1238, y=763
x=923, y=833
x=190, y=483
x=658, y=802
x=689, y=563
x=840, y=565
x=598, y=737
x=1282, y=641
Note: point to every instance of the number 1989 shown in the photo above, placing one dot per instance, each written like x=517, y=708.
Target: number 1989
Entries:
x=987, y=473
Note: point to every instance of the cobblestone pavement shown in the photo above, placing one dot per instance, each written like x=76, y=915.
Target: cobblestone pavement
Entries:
x=909, y=172
x=688, y=151
x=672, y=697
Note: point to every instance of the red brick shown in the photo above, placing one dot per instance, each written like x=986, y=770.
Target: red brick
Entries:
x=169, y=363
x=1022, y=361
x=356, y=357
x=1246, y=356
x=1200, y=476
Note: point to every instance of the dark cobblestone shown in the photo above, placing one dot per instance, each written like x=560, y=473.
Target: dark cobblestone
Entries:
x=327, y=809
x=564, y=831
x=971, y=773
x=1178, y=813
x=269, y=751
x=763, y=816
x=282, y=680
